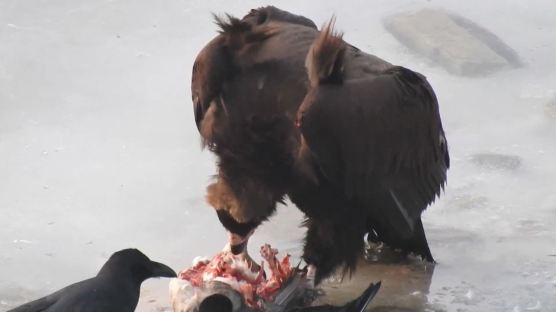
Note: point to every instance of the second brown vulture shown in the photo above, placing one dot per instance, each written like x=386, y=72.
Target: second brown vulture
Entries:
x=355, y=142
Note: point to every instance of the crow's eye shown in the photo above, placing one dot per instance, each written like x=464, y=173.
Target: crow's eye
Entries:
x=139, y=270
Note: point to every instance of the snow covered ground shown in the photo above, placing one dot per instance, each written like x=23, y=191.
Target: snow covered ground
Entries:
x=99, y=151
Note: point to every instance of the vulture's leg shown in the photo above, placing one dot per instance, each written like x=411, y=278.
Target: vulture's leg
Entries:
x=335, y=228
x=331, y=244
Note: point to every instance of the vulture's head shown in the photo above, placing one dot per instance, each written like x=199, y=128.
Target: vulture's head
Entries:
x=211, y=68
x=270, y=13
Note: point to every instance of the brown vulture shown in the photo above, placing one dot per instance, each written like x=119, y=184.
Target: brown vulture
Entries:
x=355, y=142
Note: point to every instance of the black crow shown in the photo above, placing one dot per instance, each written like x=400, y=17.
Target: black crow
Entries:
x=221, y=303
x=354, y=141
x=357, y=305
x=115, y=288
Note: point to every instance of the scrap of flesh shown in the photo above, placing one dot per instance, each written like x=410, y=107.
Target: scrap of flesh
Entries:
x=235, y=271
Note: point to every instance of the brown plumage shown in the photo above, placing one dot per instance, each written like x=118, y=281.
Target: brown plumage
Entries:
x=325, y=55
x=354, y=141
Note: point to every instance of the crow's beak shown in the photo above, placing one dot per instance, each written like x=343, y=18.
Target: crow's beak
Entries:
x=161, y=270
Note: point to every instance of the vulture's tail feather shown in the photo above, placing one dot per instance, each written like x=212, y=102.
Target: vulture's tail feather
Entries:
x=325, y=60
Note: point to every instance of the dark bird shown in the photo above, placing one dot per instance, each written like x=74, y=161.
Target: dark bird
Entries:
x=357, y=305
x=219, y=302
x=115, y=288
x=355, y=142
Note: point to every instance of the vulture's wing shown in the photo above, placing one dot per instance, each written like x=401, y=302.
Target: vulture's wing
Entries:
x=377, y=136
x=220, y=60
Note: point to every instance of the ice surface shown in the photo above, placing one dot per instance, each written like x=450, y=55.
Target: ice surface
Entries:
x=99, y=151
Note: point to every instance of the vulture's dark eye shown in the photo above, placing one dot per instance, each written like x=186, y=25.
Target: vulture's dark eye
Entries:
x=195, y=66
x=263, y=16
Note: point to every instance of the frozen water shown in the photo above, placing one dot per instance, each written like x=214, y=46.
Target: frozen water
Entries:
x=99, y=151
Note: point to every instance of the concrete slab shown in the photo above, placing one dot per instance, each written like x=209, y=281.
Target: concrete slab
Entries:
x=459, y=45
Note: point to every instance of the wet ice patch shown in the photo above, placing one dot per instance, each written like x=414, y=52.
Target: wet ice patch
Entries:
x=466, y=202
x=497, y=161
x=22, y=241
x=537, y=306
x=550, y=109
x=537, y=91
x=531, y=227
x=466, y=294
x=486, y=114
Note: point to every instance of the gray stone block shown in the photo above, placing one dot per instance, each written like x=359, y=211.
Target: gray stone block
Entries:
x=456, y=43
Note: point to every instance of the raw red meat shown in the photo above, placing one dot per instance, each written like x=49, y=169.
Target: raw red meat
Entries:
x=247, y=280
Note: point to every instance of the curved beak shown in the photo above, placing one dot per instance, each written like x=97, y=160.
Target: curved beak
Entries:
x=161, y=270
x=238, y=243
